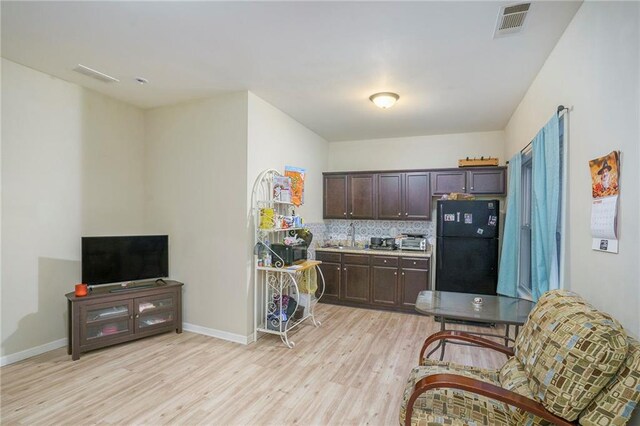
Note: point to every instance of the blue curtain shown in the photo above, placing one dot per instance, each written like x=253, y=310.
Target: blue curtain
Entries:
x=545, y=204
x=510, y=259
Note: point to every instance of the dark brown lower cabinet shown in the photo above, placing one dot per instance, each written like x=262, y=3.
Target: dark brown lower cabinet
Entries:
x=332, y=273
x=414, y=278
x=384, y=281
x=355, y=278
x=390, y=282
x=384, y=286
x=412, y=282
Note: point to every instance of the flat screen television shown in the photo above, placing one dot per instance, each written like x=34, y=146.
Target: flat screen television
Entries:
x=120, y=259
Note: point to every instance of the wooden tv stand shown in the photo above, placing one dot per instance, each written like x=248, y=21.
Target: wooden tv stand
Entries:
x=114, y=314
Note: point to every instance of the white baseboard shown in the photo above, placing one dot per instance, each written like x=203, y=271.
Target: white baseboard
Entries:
x=212, y=332
x=28, y=353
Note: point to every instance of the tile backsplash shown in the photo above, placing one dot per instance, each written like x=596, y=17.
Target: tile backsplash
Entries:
x=338, y=229
x=319, y=231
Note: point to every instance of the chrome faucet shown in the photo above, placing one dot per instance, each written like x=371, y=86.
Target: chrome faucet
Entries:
x=352, y=232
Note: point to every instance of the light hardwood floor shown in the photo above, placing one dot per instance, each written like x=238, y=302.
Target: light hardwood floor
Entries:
x=351, y=370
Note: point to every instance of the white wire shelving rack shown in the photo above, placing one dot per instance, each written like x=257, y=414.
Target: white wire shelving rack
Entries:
x=275, y=286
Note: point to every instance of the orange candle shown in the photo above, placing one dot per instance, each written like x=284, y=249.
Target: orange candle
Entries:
x=81, y=290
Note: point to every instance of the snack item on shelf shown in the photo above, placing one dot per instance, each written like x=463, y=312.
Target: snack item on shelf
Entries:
x=267, y=218
x=282, y=189
x=297, y=184
x=287, y=222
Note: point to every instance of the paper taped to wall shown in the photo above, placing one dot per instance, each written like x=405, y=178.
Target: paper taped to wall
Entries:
x=605, y=190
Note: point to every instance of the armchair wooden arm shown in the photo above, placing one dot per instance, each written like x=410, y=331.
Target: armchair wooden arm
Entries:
x=465, y=337
x=481, y=388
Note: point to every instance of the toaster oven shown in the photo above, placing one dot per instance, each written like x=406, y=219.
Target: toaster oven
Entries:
x=413, y=242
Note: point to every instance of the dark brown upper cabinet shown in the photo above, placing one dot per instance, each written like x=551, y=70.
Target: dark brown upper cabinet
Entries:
x=445, y=182
x=417, y=196
x=335, y=197
x=489, y=181
x=404, y=196
x=349, y=196
x=361, y=196
x=390, y=192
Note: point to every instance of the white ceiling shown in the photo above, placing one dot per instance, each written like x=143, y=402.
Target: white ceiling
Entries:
x=316, y=61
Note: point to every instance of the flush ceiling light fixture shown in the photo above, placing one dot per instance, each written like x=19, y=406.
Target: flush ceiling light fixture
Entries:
x=384, y=100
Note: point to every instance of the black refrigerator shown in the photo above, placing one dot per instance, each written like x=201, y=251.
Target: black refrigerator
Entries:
x=467, y=246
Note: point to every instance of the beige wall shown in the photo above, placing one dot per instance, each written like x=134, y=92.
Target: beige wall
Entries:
x=595, y=68
x=196, y=164
x=71, y=166
x=277, y=140
x=95, y=166
x=416, y=152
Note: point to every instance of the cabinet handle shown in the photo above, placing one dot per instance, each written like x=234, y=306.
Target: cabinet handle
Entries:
x=137, y=315
x=130, y=316
x=395, y=273
x=406, y=214
x=403, y=274
x=338, y=268
x=345, y=269
x=345, y=213
x=385, y=261
x=414, y=263
x=399, y=214
x=464, y=187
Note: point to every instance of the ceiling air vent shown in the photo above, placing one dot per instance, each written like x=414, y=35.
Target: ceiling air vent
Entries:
x=511, y=19
x=95, y=74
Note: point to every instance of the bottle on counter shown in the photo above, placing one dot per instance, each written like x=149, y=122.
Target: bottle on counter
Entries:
x=267, y=253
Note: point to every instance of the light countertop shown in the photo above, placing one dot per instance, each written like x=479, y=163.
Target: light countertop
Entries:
x=351, y=250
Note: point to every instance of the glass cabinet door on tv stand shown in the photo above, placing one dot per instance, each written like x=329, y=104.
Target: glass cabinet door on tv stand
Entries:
x=283, y=295
x=106, y=321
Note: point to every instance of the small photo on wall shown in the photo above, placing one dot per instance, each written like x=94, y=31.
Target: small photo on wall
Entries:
x=605, y=174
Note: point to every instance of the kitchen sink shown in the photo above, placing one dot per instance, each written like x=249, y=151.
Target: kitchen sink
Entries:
x=338, y=247
x=334, y=247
